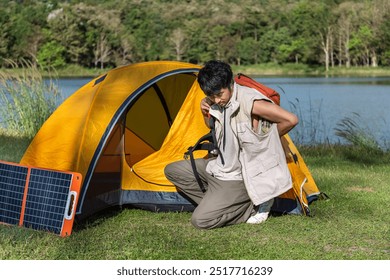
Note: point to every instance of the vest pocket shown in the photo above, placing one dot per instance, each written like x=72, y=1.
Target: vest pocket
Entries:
x=246, y=135
x=243, y=135
x=252, y=143
x=260, y=166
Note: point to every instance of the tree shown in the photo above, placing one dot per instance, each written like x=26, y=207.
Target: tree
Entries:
x=125, y=53
x=247, y=48
x=291, y=51
x=384, y=36
x=102, y=51
x=198, y=38
x=345, y=14
x=303, y=26
x=4, y=38
x=360, y=45
x=253, y=28
x=69, y=29
x=178, y=40
x=144, y=23
x=51, y=54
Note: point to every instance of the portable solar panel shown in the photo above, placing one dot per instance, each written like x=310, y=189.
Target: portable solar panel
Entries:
x=38, y=198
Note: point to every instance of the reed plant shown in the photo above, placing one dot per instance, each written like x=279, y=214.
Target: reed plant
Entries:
x=26, y=99
x=312, y=129
x=351, y=129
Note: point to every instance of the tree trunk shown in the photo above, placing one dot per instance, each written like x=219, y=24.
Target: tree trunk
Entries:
x=340, y=49
x=374, y=59
x=331, y=53
x=326, y=46
x=347, y=55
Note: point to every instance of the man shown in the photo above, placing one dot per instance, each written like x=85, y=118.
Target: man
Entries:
x=250, y=169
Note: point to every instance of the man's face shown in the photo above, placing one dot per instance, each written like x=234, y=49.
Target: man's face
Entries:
x=221, y=98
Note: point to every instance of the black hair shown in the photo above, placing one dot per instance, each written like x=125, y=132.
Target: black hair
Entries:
x=214, y=76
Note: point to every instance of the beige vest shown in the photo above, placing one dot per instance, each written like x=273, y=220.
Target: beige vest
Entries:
x=260, y=154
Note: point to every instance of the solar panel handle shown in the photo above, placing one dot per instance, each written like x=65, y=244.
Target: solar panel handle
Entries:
x=70, y=205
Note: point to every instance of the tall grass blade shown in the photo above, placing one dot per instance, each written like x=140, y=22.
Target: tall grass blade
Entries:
x=350, y=129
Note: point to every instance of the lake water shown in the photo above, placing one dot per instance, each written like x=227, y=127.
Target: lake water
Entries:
x=321, y=103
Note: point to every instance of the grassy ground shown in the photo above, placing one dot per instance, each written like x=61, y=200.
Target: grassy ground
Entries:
x=352, y=225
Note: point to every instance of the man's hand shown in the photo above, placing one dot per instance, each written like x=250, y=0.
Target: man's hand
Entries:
x=205, y=106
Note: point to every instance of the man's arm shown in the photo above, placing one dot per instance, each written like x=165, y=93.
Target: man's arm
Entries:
x=276, y=114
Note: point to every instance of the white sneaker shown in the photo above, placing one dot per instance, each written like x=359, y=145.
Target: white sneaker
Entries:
x=258, y=218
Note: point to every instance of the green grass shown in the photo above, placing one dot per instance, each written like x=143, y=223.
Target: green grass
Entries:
x=12, y=146
x=352, y=225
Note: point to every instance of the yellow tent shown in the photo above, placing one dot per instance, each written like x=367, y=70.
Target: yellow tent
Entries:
x=122, y=128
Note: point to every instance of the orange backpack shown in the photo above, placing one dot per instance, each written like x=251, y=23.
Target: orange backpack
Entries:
x=244, y=80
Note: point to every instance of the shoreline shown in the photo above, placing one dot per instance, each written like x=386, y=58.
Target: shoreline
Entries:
x=73, y=71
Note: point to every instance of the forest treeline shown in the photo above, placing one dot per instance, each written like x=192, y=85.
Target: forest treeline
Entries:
x=108, y=33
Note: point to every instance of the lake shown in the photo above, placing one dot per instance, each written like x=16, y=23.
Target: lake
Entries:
x=320, y=103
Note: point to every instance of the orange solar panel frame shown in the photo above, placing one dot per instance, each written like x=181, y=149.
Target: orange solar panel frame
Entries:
x=38, y=198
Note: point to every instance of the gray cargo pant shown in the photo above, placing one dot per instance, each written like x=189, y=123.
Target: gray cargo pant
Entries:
x=224, y=203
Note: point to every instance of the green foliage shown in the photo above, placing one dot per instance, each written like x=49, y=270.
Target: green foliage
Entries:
x=360, y=45
x=110, y=33
x=51, y=55
x=247, y=50
x=384, y=39
x=26, y=101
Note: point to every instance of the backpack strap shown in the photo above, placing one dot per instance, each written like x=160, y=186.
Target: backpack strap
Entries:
x=200, y=145
x=207, y=142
